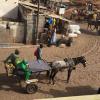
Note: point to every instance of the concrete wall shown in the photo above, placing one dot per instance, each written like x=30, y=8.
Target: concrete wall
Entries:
x=14, y=34
x=31, y=27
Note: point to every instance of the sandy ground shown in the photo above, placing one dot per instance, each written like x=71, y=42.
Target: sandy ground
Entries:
x=84, y=81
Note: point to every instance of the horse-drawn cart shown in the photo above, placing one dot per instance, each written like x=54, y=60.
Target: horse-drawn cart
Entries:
x=51, y=67
x=35, y=67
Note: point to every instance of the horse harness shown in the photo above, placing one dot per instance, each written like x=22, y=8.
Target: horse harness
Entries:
x=64, y=64
x=70, y=63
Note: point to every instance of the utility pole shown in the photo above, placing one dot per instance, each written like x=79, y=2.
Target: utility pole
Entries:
x=37, y=31
x=61, y=3
x=61, y=6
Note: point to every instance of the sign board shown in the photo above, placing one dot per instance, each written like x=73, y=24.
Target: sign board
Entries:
x=61, y=10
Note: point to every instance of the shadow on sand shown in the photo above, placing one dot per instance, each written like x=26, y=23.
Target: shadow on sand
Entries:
x=71, y=91
x=10, y=84
x=89, y=32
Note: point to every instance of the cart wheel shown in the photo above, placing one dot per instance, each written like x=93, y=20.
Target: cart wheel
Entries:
x=31, y=88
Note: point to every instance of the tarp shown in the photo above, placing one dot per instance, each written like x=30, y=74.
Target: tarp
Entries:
x=74, y=29
x=38, y=66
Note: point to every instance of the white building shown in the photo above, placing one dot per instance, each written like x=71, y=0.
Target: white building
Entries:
x=9, y=9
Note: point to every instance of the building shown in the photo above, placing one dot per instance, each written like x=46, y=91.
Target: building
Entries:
x=18, y=21
x=9, y=18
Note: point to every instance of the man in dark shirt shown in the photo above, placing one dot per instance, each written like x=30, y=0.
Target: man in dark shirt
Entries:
x=38, y=52
x=12, y=57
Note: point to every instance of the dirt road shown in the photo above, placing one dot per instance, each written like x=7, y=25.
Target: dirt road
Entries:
x=84, y=81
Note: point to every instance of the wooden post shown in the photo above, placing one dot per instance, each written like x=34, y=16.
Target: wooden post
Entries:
x=37, y=31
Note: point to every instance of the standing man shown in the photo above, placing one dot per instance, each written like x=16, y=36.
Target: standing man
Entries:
x=53, y=36
x=8, y=27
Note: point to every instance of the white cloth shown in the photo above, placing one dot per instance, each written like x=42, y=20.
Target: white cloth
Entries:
x=74, y=29
x=53, y=38
x=57, y=64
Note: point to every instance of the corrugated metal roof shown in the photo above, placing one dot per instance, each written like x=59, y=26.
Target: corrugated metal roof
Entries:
x=32, y=5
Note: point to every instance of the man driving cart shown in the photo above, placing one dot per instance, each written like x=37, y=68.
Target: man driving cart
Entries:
x=12, y=58
x=14, y=65
x=20, y=67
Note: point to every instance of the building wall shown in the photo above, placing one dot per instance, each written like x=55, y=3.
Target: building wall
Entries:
x=14, y=34
x=31, y=27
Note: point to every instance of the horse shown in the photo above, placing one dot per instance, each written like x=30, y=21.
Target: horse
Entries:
x=93, y=24
x=68, y=63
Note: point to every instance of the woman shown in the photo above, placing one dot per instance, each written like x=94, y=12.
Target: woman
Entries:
x=38, y=52
x=53, y=36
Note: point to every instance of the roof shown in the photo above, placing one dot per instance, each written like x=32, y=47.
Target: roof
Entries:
x=59, y=17
x=80, y=1
x=9, y=9
x=32, y=5
x=69, y=12
x=60, y=0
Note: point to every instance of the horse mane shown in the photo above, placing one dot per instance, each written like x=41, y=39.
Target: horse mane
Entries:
x=75, y=59
x=80, y=57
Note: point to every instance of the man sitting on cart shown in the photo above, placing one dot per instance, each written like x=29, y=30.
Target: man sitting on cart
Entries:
x=12, y=58
x=21, y=66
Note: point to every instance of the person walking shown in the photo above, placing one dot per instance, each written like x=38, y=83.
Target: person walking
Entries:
x=38, y=52
x=53, y=36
